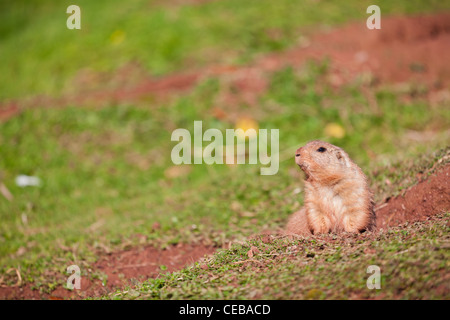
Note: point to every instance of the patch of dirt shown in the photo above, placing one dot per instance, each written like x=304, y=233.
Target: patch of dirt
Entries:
x=121, y=268
x=426, y=198
x=405, y=51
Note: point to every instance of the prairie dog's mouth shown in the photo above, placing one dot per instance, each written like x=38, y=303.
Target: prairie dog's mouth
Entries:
x=304, y=168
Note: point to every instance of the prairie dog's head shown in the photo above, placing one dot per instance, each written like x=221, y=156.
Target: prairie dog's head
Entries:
x=322, y=161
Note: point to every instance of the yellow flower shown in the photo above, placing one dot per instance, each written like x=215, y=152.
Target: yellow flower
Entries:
x=117, y=37
x=334, y=130
x=246, y=123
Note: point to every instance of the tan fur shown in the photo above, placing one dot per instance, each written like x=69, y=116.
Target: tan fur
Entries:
x=337, y=196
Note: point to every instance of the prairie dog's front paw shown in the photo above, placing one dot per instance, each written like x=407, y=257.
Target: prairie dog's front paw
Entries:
x=319, y=223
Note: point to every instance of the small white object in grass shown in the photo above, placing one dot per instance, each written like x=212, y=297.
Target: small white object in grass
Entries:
x=25, y=181
x=297, y=190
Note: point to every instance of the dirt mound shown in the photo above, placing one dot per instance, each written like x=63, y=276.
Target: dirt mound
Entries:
x=405, y=49
x=409, y=49
x=419, y=202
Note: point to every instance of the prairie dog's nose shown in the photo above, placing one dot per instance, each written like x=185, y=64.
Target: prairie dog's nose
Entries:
x=298, y=159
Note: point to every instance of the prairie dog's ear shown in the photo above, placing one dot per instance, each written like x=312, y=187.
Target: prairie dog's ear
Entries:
x=342, y=158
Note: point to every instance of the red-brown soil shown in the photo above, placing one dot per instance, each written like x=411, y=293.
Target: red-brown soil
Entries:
x=426, y=198
x=121, y=268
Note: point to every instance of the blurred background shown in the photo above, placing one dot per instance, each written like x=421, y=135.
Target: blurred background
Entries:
x=89, y=113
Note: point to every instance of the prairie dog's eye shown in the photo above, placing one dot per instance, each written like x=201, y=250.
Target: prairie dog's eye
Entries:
x=321, y=149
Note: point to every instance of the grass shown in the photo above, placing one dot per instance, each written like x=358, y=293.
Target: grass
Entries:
x=106, y=173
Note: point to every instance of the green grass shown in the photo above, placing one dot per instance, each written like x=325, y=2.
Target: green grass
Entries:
x=106, y=173
x=45, y=57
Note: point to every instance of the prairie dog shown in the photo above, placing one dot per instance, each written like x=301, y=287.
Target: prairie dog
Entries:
x=337, y=196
